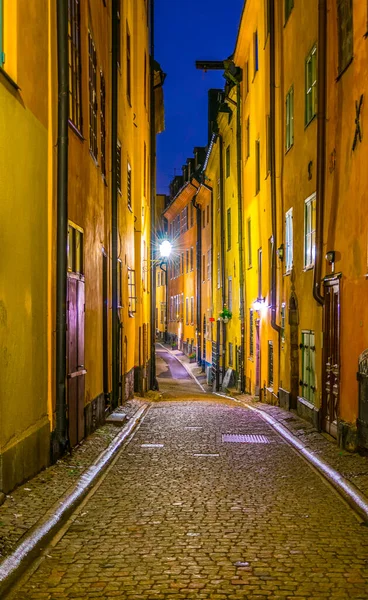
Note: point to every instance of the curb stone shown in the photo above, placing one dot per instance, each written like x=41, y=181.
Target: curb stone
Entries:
x=37, y=537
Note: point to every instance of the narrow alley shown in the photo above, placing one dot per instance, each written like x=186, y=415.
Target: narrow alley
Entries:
x=205, y=500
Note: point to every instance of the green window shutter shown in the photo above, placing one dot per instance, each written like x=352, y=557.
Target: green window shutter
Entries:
x=2, y=54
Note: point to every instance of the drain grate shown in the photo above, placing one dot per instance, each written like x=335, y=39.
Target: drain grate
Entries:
x=245, y=439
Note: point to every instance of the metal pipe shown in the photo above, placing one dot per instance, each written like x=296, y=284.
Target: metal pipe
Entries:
x=240, y=236
x=152, y=287
x=273, y=169
x=114, y=203
x=321, y=147
x=62, y=223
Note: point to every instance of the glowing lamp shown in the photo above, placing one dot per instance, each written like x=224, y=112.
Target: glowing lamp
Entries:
x=165, y=249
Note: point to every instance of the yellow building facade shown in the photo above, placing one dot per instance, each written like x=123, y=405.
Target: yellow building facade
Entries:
x=29, y=298
x=26, y=120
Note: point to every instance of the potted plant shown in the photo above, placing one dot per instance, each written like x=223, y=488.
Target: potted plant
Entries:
x=192, y=357
x=225, y=314
x=174, y=345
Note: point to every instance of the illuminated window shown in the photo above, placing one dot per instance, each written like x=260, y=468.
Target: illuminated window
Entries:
x=93, y=105
x=309, y=231
x=311, y=85
x=74, y=58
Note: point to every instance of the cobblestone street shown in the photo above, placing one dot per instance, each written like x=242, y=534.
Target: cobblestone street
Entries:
x=185, y=514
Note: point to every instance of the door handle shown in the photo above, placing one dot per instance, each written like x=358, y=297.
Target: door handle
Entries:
x=80, y=366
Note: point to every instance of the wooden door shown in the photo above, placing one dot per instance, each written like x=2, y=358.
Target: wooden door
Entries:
x=331, y=357
x=76, y=368
x=105, y=329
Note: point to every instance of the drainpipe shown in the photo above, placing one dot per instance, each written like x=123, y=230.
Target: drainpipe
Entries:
x=152, y=287
x=240, y=234
x=273, y=170
x=222, y=247
x=199, y=277
x=62, y=224
x=114, y=205
x=321, y=140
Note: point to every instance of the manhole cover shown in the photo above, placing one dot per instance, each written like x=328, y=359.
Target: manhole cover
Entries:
x=245, y=439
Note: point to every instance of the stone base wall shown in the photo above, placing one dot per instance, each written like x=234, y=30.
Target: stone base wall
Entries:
x=25, y=459
x=309, y=412
x=347, y=436
x=284, y=399
x=94, y=415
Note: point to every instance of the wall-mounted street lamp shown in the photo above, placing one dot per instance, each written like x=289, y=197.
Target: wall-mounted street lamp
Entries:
x=165, y=249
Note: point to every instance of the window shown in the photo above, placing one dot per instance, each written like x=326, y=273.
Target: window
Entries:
x=74, y=58
x=270, y=265
x=228, y=228
x=75, y=249
x=249, y=243
x=231, y=354
x=270, y=363
x=203, y=218
x=192, y=310
x=118, y=15
x=203, y=267
x=129, y=186
x=208, y=213
x=311, y=85
x=118, y=166
x=187, y=311
x=191, y=259
x=132, y=296
x=267, y=19
x=144, y=169
x=260, y=273
x=258, y=166
x=120, y=284
x=187, y=261
x=128, y=66
x=145, y=80
x=93, y=107
x=103, y=123
x=182, y=307
x=246, y=78
x=228, y=161
x=218, y=270
x=289, y=240
x=163, y=313
x=309, y=231
x=283, y=312
x=192, y=215
x=247, y=137
x=289, y=5
x=345, y=32
x=182, y=263
x=218, y=195
x=158, y=279
x=184, y=220
x=2, y=53
x=290, y=118
x=251, y=333
x=308, y=381
x=268, y=144
x=230, y=293
x=255, y=53
x=209, y=264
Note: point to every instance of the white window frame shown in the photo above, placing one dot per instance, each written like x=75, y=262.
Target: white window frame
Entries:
x=289, y=109
x=289, y=240
x=309, y=231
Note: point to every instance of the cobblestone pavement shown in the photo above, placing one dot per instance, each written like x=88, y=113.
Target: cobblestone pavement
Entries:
x=184, y=515
x=29, y=502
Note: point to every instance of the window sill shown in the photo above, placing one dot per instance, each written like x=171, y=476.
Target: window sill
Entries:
x=94, y=158
x=287, y=150
x=287, y=272
x=310, y=121
x=340, y=74
x=75, y=129
x=308, y=267
x=10, y=80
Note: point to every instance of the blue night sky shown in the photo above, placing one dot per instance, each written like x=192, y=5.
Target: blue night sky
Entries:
x=186, y=31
